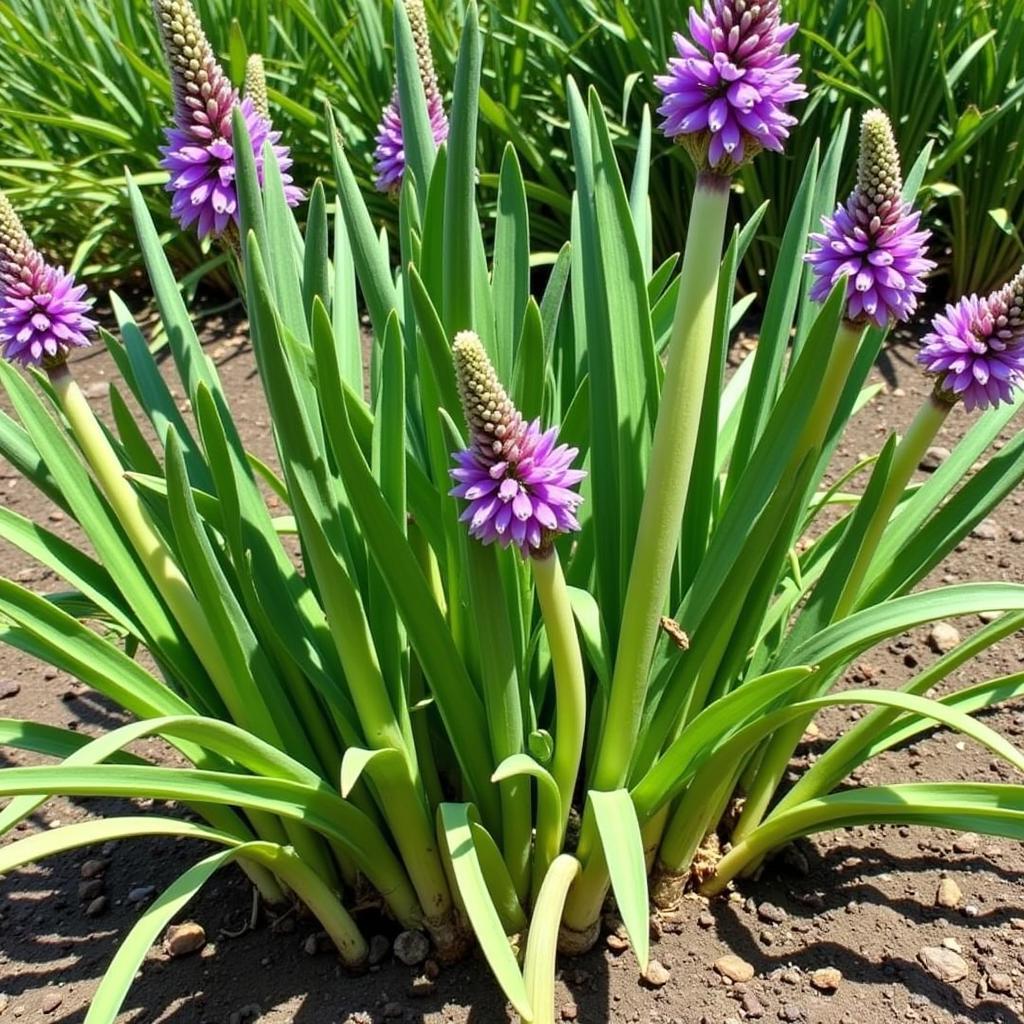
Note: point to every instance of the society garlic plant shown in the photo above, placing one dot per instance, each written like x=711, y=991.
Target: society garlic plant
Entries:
x=566, y=601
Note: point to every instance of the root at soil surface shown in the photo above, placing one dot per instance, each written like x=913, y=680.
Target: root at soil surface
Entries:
x=667, y=887
x=574, y=943
x=452, y=939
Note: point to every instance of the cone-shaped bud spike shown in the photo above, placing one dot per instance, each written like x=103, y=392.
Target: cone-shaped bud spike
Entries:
x=199, y=154
x=874, y=239
x=516, y=480
x=256, y=85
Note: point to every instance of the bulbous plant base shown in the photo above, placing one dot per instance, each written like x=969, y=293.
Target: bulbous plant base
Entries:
x=575, y=943
x=451, y=937
x=667, y=887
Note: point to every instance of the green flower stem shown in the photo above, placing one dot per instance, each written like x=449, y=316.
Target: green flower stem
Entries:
x=570, y=679
x=780, y=747
x=152, y=549
x=911, y=449
x=672, y=455
x=500, y=676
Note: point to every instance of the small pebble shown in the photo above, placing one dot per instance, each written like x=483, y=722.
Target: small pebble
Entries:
x=570, y=1011
x=949, y=894
x=943, y=963
x=657, y=974
x=8, y=690
x=412, y=948
x=51, y=1001
x=943, y=637
x=182, y=939
x=827, y=979
x=985, y=530
x=734, y=968
x=934, y=457
x=97, y=907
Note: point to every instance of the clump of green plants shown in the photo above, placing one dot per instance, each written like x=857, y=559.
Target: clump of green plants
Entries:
x=566, y=601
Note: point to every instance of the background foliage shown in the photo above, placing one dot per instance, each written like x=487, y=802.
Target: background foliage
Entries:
x=83, y=93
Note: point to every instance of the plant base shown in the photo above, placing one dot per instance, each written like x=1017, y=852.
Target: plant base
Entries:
x=575, y=943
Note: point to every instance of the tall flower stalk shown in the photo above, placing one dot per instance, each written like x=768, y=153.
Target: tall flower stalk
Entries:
x=725, y=100
x=519, y=485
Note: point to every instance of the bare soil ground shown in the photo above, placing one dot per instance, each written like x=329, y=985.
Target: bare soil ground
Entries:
x=862, y=901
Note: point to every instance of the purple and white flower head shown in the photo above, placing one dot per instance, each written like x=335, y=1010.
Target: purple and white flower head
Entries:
x=874, y=240
x=389, y=156
x=518, y=481
x=727, y=92
x=199, y=153
x=976, y=347
x=43, y=313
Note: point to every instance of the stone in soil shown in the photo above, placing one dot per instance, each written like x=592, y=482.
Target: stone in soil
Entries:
x=412, y=948
x=141, y=893
x=827, y=979
x=943, y=963
x=97, y=907
x=1000, y=982
x=51, y=1001
x=985, y=530
x=569, y=1011
x=934, y=457
x=751, y=1005
x=92, y=868
x=182, y=939
x=735, y=968
x=791, y=1012
x=90, y=889
x=657, y=974
x=771, y=914
x=943, y=637
x=9, y=690
x=949, y=894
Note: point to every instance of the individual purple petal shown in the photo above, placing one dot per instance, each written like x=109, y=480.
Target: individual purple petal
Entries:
x=726, y=94
x=976, y=347
x=518, y=482
x=874, y=240
x=199, y=153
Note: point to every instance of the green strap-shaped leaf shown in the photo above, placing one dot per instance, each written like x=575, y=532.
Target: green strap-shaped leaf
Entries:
x=109, y=997
x=623, y=847
x=454, y=821
x=542, y=943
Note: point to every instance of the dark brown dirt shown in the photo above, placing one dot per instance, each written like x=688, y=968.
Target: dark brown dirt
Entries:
x=861, y=900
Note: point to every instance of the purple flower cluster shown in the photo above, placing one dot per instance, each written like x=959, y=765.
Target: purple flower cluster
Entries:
x=874, y=240
x=517, y=479
x=199, y=153
x=43, y=313
x=389, y=156
x=976, y=347
x=727, y=92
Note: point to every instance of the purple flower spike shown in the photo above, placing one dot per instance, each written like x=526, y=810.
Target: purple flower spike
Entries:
x=389, y=156
x=874, y=240
x=727, y=92
x=42, y=310
x=199, y=154
x=517, y=480
x=977, y=347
